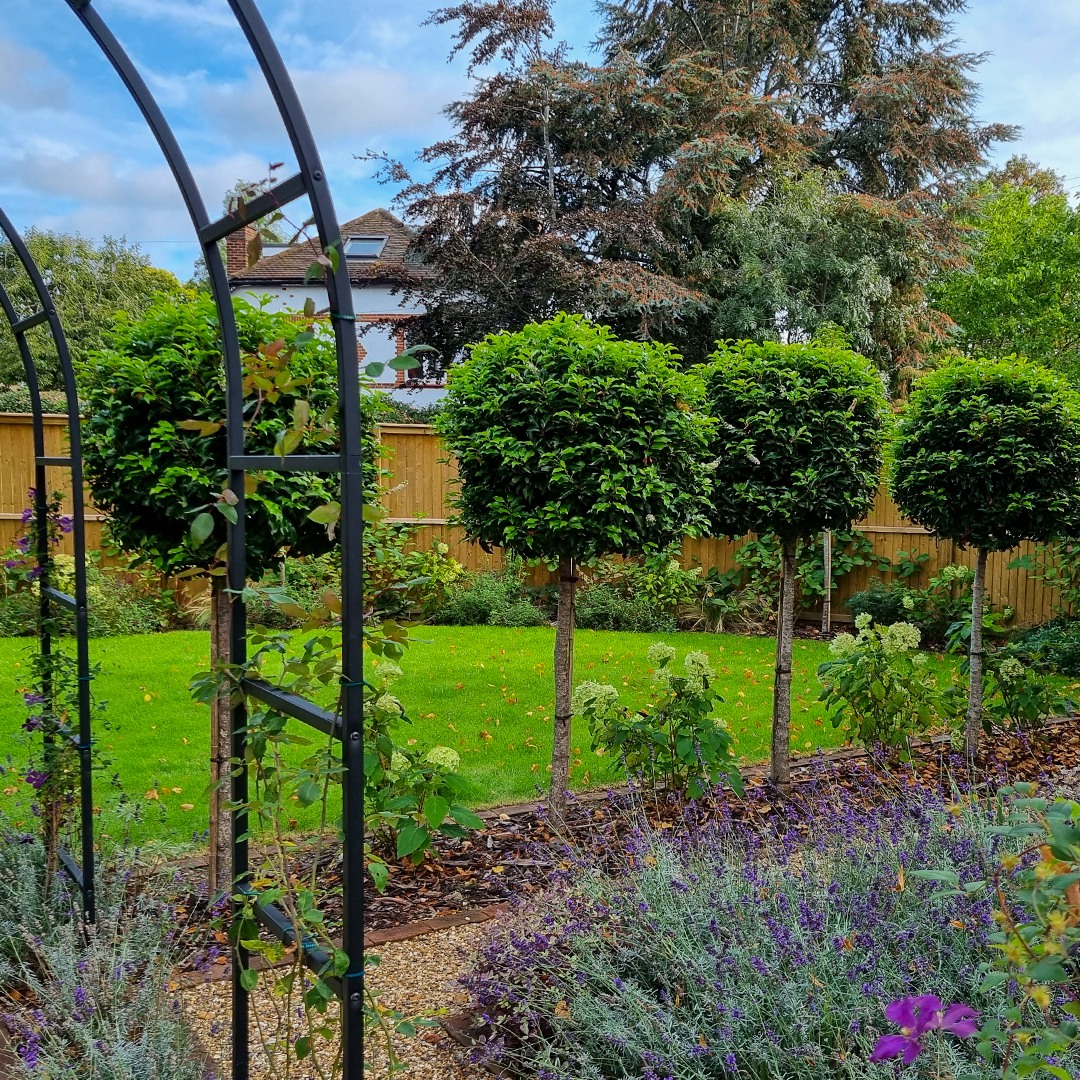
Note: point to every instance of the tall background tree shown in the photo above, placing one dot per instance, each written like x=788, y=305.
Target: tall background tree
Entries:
x=91, y=282
x=797, y=449
x=1020, y=295
x=571, y=444
x=639, y=189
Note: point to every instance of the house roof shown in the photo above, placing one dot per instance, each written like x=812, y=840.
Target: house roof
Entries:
x=394, y=264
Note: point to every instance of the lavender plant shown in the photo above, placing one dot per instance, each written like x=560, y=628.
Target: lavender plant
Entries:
x=731, y=953
x=92, y=1001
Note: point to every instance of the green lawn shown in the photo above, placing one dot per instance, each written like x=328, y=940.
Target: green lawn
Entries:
x=485, y=691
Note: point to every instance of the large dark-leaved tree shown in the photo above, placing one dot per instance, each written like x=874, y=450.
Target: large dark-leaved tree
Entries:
x=987, y=454
x=646, y=189
x=155, y=456
x=797, y=449
x=571, y=444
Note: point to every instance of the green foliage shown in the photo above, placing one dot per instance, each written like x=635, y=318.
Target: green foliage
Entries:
x=602, y=606
x=944, y=603
x=154, y=438
x=16, y=399
x=1020, y=295
x=798, y=445
x=402, y=578
x=571, y=442
x=987, y=454
x=1057, y=566
x=1019, y=697
x=677, y=740
x=878, y=688
x=1037, y=896
x=91, y=283
x=1054, y=645
x=489, y=598
x=410, y=793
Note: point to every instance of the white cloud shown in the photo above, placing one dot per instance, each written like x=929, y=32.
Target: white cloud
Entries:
x=27, y=80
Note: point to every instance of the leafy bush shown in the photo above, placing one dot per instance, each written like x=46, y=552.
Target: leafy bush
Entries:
x=724, y=953
x=120, y=601
x=878, y=687
x=602, y=606
x=676, y=740
x=1055, y=644
x=16, y=399
x=411, y=793
x=490, y=598
x=883, y=603
x=1018, y=696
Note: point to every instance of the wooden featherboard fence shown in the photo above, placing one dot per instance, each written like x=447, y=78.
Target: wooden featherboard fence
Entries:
x=421, y=481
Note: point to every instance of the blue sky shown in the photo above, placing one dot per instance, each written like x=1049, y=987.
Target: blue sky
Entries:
x=75, y=155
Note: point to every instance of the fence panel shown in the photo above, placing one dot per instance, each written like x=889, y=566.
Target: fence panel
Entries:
x=421, y=481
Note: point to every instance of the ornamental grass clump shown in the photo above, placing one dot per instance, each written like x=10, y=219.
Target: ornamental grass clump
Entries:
x=726, y=952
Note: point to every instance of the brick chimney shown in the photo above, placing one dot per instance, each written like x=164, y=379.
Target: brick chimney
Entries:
x=236, y=250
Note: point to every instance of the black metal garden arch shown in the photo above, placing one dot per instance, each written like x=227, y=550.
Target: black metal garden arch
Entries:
x=311, y=182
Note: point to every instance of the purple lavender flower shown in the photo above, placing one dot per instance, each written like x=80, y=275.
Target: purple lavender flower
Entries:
x=36, y=779
x=915, y=1016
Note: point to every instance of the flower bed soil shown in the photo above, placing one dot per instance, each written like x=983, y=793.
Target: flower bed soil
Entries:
x=518, y=848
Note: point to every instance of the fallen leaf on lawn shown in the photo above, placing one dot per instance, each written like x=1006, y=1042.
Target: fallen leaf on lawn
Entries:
x=187, y=806
x=152, y=794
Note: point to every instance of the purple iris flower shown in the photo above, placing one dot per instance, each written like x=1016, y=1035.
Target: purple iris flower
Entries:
x=36, y=779
x=915, y=1016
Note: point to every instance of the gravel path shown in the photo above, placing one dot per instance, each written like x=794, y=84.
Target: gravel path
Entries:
x=418, y=977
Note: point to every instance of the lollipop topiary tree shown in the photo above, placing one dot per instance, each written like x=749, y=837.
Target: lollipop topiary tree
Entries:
x=155, y=459
x=797, y=449
x=987, y=454
x=571, y=444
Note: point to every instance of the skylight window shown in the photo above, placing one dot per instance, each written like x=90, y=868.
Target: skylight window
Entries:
x=364, y=247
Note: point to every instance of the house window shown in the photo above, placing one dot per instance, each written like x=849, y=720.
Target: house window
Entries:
x=364, y=247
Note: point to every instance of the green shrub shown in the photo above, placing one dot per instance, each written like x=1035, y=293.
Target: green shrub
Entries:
x=16, y=399
x=883, y=603
x=490, y=598
x=877, y=686
x=676, y=740
x=602, y=607
x=1018, y=696
x=1055, y=644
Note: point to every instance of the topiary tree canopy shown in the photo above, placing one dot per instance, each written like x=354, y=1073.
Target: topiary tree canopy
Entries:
x=987, y=454
x=797, y=449
x=155, y=455
x=571, y=444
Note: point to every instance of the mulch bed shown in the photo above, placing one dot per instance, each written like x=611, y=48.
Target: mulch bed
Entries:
x=518, y=850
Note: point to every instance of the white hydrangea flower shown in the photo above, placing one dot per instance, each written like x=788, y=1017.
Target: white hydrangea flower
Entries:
x=398, y=762
x=842, y=646
x=660, y=655
x=1011, y=669
x=908, y=603
x=919, y=659
x=389, y=703
x=863, y=620
x=698, y=663
x=388, y=672
x=900, y=637
x=443, y=756
x=600, y=697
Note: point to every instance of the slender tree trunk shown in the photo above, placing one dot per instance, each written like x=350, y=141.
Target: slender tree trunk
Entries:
x=975, y=659
x=220, y=742
x=780, y=758
x=564, y=684
x=826, y=596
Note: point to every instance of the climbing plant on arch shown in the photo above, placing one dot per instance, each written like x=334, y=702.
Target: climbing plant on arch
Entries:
x=343, y=468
